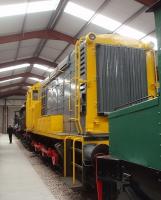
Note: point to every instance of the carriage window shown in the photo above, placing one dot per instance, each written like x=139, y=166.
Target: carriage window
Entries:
x=35, y=95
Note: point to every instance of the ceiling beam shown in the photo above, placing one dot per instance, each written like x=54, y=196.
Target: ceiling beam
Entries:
x=151, y=32
x=42, y=34
x=32, y=60
x=14, y=85
x=57, y=14
x=100, y=8
x=128, y=20
x=23, y=75
x=17, y=92
x=147, y=2
x=22, y=31
x=51, y=25
x=28, y=71
x=132, y=17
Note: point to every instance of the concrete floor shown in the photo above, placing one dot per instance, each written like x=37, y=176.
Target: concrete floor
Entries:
x=18, y=179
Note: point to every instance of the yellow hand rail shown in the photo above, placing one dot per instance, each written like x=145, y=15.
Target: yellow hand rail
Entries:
x=75, y=140
x=69, y=103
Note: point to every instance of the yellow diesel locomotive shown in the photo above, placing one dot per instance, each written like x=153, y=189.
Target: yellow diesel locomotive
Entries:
x=66, y=115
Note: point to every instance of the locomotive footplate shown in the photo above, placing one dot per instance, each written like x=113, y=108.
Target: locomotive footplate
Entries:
x=121, y=180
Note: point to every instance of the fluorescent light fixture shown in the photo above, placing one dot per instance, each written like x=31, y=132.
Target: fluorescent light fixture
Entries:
x=152, y=40
x=35, y=79
x=130, y=32
x=102, y=21
x=78, y=11
x=41, y=6
x=30, y=7
x=12, y=79
x=5, y=69
x=43, y=68
x=106, y=22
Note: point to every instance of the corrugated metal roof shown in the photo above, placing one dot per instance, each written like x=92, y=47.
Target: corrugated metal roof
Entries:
x=56, y=50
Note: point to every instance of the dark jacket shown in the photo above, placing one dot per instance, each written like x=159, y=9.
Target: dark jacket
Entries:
x=9, y=130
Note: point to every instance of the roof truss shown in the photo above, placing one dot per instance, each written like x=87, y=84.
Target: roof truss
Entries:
x=23, y=75
x=147, y=2
x=42, y=34
x=32, y=60
x=17, y=92
x=14, y=85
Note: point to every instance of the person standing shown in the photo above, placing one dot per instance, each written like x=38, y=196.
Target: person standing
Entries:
x=10, y=132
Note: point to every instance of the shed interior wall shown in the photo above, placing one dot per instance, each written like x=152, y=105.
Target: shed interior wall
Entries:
x=8, y=107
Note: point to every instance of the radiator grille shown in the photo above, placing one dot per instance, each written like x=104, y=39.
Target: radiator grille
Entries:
x=121, y=77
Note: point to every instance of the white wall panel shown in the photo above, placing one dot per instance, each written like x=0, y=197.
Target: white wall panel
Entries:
x=11, y=113
x=1, y=118
x=7, y=112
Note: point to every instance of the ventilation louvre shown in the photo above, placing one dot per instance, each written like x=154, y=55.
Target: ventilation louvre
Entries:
x=121, y=77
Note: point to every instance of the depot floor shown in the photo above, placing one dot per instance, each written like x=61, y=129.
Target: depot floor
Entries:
x=18, y=179
x=23, y=175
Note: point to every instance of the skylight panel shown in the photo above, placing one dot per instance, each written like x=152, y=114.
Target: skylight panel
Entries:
x=13, y=9
x=14, y=67
x=12, y=79
x=78, y=11
x=43, y=68
x=130, y=32
x=41, y=6
x=28, y=7
x=35, y=79
x=106, y=22
x=151, y=39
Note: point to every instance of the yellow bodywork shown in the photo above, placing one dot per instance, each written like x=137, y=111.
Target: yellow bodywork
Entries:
x=99, y=124
x=95, y=124
x=33, y=108
x=52, y=125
